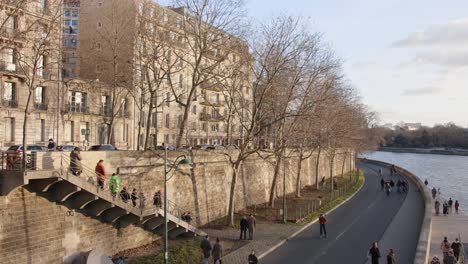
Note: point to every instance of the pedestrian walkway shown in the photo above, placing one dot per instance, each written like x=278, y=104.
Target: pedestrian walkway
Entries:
x=451, y=226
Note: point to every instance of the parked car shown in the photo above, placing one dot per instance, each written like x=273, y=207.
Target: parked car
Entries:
x=65, y=148
x=14, y=155
x=102, y=147
x=29, y=148
x=185, y=147
x=202, y=147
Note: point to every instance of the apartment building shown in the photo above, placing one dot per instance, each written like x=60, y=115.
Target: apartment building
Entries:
x=147, y=48
x=71, y=11
x=70, y=111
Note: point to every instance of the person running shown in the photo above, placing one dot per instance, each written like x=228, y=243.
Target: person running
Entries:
x=426, y=182
x=374, y=253
x=456, y=247
x=382, y=184
x=391, y=258
x=437, y=207
x=445, y=247
x=457, y=204
x=450, y=204
x=434, y=193
x=323, y=229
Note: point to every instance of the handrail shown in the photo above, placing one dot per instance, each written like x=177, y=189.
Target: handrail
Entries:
x=462, y=256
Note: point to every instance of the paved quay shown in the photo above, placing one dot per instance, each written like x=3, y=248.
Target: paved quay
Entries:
x=352, y=228
x=451, y=226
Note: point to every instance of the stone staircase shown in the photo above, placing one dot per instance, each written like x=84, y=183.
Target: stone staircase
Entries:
x=82, y=195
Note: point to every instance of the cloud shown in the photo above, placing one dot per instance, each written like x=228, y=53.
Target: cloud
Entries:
x=453, y=34
x=421, y=91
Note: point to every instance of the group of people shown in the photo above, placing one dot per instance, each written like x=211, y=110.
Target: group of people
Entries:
x=402, y=186
x=217, y=252
x=446, y=206
x=124, y=195
x=374, y=255
x=450, y=251
x=247, y=224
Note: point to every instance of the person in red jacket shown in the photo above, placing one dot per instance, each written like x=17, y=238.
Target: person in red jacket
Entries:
x=322, y=222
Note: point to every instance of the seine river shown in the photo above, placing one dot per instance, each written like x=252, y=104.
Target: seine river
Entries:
x=449, y=173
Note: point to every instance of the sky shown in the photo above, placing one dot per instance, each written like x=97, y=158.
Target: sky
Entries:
x=408, y=59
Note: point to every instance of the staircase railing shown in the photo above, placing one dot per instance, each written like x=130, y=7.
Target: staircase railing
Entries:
x=462, y=257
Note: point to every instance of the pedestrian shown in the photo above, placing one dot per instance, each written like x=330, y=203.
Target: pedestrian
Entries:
x=450, y=258
x=445, y=247
x=388, y=188
x=435, y=260
x=437, y=207
x=456, y=206
x=391, y=258
x=75, y=162
x=445, y=207
x=252, y=258
x=114, y=184
x=323, y=183
x=217, y=252
x=142, y=199
x=205, y=245
x=380, y=172
x=374, y=253
x=251, y=224
x=450, y=203
x=157, y=201
x=51, y=146
x=124, y=195
x=434, y=193
x=426, y=182
x=392, y=183
x=382, y=184
x=323, y=229
x=243, y=228
x=100, y=171
x=188, y=217
x=456, y=247
x=134, y=197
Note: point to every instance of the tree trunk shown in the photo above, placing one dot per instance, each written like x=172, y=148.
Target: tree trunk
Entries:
x=138, y=136
x=271, y=201
x=148, y=123
x=343, y=166
x=332, y=158
x=25, y=122
x=110, y=130
x=235, y=171
x=317, y=168
x=298, y=178
x=184, y=124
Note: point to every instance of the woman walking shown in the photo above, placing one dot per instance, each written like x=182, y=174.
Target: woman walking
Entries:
x=374, y=253
x=391, y=259
x=75, y=162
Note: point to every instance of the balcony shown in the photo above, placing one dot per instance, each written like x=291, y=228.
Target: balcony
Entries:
x=40, y=106
x=213, y=104
x=12, y=103
x=209, y=117
x=75, y=108
x=124, y=113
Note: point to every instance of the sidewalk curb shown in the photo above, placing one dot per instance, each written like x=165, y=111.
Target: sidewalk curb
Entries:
x=279, y=244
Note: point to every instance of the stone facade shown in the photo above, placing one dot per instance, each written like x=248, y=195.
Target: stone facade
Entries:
x=34, y=230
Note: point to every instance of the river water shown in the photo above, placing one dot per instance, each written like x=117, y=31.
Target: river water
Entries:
x=449, y=173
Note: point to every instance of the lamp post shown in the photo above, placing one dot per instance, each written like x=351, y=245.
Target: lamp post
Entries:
x=284, y=184
x=183, y=161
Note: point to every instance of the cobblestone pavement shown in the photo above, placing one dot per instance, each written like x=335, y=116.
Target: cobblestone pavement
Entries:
x=267, y=235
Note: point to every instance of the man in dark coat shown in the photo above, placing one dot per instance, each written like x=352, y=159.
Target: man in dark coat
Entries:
x=217, y=252
x=252, y=258
x=206, y=248
x=243, y=228
x=251, y=224
x=456, y=246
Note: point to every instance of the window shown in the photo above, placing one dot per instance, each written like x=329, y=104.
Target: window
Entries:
x=153, y=119
x=123, y=135
x=205, y=127
x=105, y=103
x=215, y=127
x=9, y=130
x=42, y=4
x=11, y=24
x=9, y=92
x=142, y=119
x=194, y=109
x=75, y=23
x=75, y=13
x=98, y=68
x=123, y=106
x=218, y=99
x=40, y=66
x=166, y=121
x=179, y=121
x=39, y=95
x=193, y=126
x=214, y=113
x=67, y=22
x=166, y=139
x=8, y=56
x=77, y=101
x=67, y=13
x=168, y=98
x=43, y=131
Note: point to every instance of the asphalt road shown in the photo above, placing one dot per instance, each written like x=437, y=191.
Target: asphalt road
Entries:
x=355, y=225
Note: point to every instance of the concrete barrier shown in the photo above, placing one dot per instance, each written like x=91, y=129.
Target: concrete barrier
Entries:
x=424, y=243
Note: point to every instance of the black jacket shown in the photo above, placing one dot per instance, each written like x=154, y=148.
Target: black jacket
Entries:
x=253, y=259
x=205, y=245
x=243, y=224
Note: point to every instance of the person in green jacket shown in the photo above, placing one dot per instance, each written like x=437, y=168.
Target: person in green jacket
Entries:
x=114, y=184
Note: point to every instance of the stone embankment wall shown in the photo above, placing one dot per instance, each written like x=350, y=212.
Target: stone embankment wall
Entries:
x=35, y=230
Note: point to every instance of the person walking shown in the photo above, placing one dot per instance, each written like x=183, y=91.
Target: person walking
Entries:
x=75, y=162
x=445, y=247
x=445, y=208
x=142, y=199
x=434, y=193
x=114, y=184
x=450, y=258
x=437, y=207
x=205, y=246
x=124, y=195
x=456, y=247
x=252, y=258
x=157, y=201
x=100, y=171
x=323, y=229
x=251, y=224
x=450, y=204
x=374, y=253
x=134, y=197
x=457, y=205
x=382, y=184
x=426, y=182
x=391, y=258
x=323, y=183
x=243, y=228
x=388, y=188
x=217, y=252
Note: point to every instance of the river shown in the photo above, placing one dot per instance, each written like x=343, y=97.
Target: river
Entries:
x=449, y=173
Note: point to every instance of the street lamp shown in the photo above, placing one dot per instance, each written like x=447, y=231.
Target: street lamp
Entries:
x=180, y=160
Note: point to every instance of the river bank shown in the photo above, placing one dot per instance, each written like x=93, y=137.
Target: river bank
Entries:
x=456, y=152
